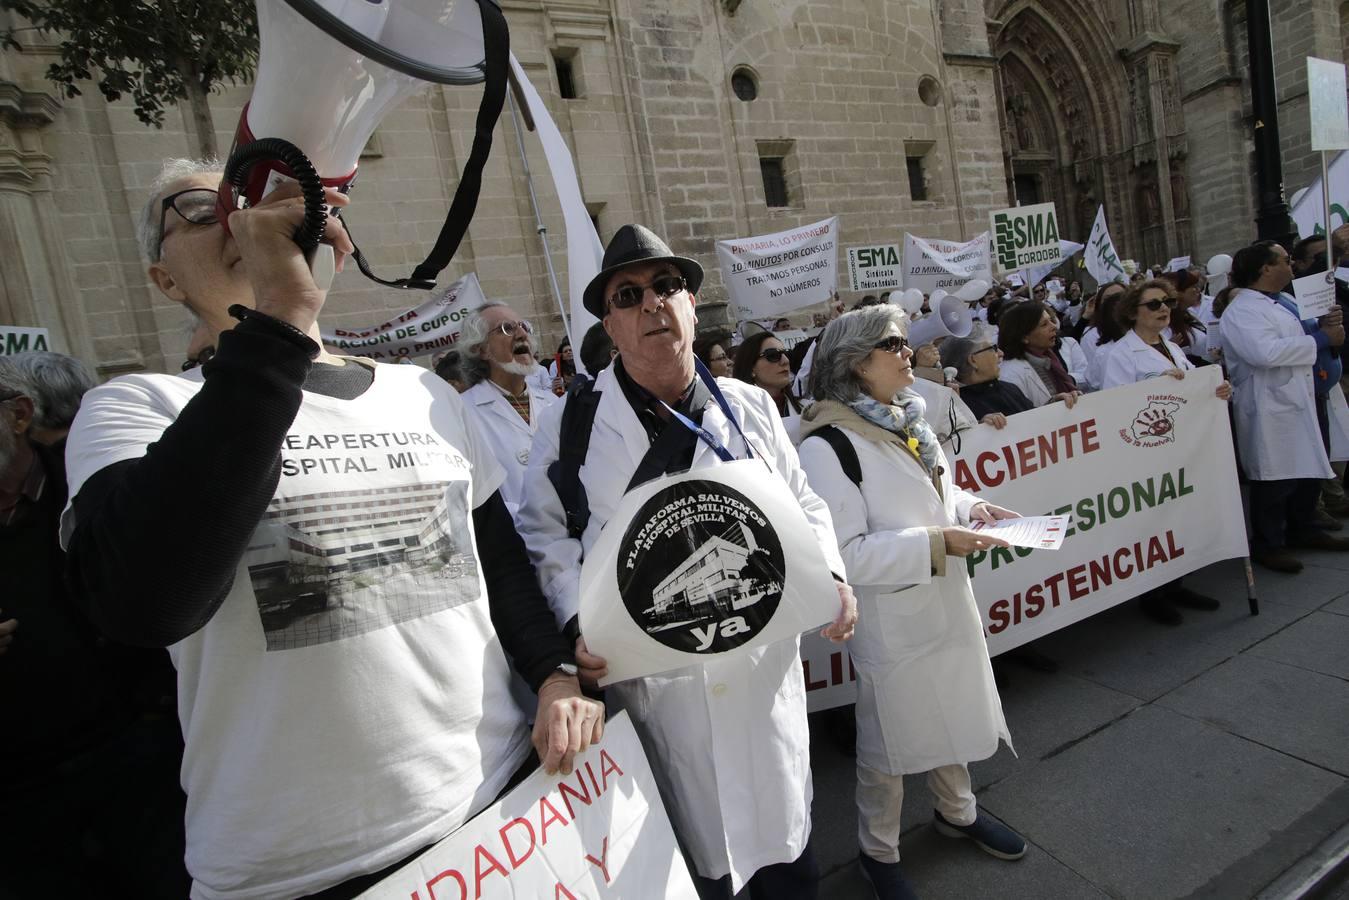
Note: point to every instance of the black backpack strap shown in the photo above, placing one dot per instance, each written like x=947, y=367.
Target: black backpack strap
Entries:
x=573, y=443
x=843, y=449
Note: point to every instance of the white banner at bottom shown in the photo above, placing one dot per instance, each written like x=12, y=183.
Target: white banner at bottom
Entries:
x=1146, y=474
x=599, y=833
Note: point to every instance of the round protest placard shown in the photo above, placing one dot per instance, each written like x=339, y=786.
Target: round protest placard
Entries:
x=695, y=566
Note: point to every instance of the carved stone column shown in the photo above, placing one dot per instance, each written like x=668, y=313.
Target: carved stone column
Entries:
x=35, y=286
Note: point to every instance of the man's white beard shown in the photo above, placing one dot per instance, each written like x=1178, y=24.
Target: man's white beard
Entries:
x=516, y=368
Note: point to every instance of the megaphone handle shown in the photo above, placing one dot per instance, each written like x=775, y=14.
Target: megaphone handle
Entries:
x=323, y=266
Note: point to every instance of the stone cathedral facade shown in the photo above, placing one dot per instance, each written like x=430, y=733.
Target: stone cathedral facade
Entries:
x=706, y=120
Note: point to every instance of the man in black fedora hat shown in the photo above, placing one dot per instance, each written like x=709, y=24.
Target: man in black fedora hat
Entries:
x=727, y=738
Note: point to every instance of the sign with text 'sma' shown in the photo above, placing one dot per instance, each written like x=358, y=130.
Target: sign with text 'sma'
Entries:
x=1025, y=236
x=14, y=340
x=599, y=833
x=875, y=268
x=1144, y=471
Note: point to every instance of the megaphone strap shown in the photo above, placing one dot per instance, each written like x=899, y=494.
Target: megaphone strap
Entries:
x=497, y=49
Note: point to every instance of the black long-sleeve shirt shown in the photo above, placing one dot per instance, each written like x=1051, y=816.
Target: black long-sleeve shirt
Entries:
x=201, y=489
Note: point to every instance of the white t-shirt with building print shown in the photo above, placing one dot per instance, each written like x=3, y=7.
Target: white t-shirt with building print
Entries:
x=349, y=703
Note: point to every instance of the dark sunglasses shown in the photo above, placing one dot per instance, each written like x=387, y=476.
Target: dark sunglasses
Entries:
x=1155, y=305
x=663, y=286
x=893, y=345
x=773, y=354
x=196, y=205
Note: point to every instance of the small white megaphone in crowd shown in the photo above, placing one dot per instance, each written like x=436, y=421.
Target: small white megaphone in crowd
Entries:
x=911, y=301
x=950, y=317
x=1220, y=264
x=328, y=73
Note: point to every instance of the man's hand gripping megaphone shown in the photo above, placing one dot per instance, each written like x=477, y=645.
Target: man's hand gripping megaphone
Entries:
x=283, y=284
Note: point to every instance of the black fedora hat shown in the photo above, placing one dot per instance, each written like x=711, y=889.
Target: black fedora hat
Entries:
x=636, y=244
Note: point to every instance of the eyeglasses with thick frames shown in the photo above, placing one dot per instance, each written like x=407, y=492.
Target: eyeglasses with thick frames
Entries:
x=974, y=353
x=663, y=286
x=1155, y=305
x=893, y=344
x=509, y=328
x=195, y=205
x=773, y=355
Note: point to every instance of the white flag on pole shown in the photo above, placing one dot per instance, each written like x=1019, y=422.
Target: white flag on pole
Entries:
x=1102, y=261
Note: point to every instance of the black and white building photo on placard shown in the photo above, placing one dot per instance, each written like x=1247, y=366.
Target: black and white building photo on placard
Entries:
x=333, y=565
x=703, y=569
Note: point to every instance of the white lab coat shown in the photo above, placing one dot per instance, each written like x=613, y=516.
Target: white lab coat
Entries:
x=1023, y=375
x=1075, y=361
x=1269, y=361
x=727, y=739
x=1131, y=360
x=540, y=379
x=1094, y=352
x=506, y=432
x=925, y=690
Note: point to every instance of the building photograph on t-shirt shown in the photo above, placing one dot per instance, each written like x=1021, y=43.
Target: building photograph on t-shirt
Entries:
x=334, y=565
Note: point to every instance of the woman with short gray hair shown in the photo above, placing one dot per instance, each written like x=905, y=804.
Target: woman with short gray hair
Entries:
x=926, y=698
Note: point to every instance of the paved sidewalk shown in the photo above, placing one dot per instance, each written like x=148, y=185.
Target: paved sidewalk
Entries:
x=1203, y=760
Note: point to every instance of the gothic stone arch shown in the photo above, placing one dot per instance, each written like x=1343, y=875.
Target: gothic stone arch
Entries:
x=1059, y=71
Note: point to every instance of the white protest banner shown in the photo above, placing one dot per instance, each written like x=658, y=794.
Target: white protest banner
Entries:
x=598, y=833
x=1327, y=104
x=1036, y=274
x=14, y=339
x=1177, y=263
x=700, y=566
x=774, y=274
x=584, y=252
x=1146, y=473
x=1314, y=295
x=794, y=336
x=1103, y=262
x=931, y=264
x=420, y=331
x=1025, y=236
x=874, y=268
x=1307, y=206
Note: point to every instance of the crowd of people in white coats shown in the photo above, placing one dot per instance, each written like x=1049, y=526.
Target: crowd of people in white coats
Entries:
x=304, y=742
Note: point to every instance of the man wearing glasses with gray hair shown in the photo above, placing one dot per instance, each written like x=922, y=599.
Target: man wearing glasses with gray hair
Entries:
x=322, y=544
x=498, y=358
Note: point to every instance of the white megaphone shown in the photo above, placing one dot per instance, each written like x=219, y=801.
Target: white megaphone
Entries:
x=950, y=317
x=328, y=73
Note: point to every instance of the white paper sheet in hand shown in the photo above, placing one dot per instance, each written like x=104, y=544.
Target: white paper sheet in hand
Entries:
x=701, y=566
x=1039, y=532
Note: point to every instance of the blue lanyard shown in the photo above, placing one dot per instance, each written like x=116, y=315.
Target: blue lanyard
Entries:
x=706, y=436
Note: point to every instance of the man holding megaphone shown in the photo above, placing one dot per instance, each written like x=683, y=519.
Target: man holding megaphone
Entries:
x=295, y=528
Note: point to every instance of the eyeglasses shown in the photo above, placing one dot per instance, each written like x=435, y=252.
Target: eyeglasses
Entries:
x=202, y=358
x=773, y=354
x=196, y=205
x=663, y=286
x=1155, y=305
x=893, y=344
x=974, y=353
x=509, y=328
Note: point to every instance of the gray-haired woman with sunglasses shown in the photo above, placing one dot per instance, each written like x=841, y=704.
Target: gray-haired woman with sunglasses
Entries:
x=926, y=699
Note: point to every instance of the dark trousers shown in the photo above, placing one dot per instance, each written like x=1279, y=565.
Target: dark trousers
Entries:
x=796, y=880
x=1279, y=508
